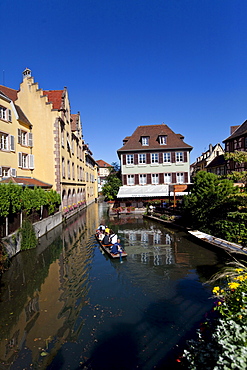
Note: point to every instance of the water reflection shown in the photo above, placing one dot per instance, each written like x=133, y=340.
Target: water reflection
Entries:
x=65, y=305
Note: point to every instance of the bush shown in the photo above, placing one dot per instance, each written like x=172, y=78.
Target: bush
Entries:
x=222, y=341
x=28, y=237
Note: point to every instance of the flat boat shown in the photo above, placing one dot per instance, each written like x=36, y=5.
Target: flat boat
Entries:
x=217, y=242
x=107, y=250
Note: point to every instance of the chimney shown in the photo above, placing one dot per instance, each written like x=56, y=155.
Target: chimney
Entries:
x=233, y=128
x=210, y=148
x=27, y=73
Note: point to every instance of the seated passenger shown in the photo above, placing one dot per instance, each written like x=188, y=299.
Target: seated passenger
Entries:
x=101, y=235
x=106, y=239
x=116, y=248
x=113, y=237
x=107, y=230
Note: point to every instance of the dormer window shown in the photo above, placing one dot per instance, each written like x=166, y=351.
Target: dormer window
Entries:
x=163, y=139
x=145, y=140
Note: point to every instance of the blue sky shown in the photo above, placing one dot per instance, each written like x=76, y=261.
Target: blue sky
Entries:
x=134, y=62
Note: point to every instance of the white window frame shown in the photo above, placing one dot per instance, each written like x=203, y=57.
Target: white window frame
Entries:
x=154, y=158
x=142, y=158
x=145, y=140
x=167, y=178
x=25, y=161
x=179, y=157
x=142, y=179
x=155, y=178
x=180, y=177
x=163, y=139
x=167, y=157
x=4, y=141
x=130, y=159
x=3, y=113
x=130, y=180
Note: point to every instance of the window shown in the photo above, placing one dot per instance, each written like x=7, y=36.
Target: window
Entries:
x=25, y=138
x=4, y=141
x=142, y=158
x=68, y=167
x=3, y=112
x=145, y=140
x=142, y=179
x=155, y=178
x=167, y=178
x=167, y=158
x=63, y=168
x=73, y=171
x=154, y=158
x=180, y=178
x=5, y=171
x=62, y=137
x=245, y=140
x=26, y=160
x=9, y=115
x=179, y=156
x=163, y=140
x=130, y=180
x=130, y=159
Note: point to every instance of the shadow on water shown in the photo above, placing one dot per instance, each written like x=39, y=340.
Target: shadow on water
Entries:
x=64, y=305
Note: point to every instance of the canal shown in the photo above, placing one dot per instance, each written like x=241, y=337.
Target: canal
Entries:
x=66, y=305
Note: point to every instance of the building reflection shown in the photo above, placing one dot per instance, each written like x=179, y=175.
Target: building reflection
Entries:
x=44, y=291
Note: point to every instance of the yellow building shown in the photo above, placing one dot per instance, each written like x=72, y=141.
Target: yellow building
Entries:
x=49, y=143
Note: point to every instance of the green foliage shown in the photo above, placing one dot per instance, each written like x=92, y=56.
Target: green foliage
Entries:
x=53, y=200
x=28, y=237
x=110, y=189
x=209, y=201
x=237, y=156
x=14, y=198
x=222, y=342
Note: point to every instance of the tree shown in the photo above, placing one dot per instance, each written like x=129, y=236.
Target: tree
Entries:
x=208, y=201
x=111, y=187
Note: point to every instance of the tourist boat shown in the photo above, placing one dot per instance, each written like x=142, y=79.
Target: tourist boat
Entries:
x=106, y=249
x=217, y=242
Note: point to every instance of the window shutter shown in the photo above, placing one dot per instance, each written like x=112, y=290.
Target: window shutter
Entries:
x=173, y=157
x=148, y=158
x=185, y=157
x=31, y=161
x=12, y=143
x=174, y=178
x=0, y=171
x=19, y=159
x=125, y=179
x=136, y=179
x=124, y=159
x=30, y=139
x=9, y=116
x=149, y=178
x=135, y=158
x=19, y=136
x=161, y=178
x=160, y=157
x=186, y=177
x=13, y=172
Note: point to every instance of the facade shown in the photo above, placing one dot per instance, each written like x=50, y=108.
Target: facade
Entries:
x=153, y=159
x=202, y=162
x=104, y=170
x=217, y=165
x=237, y=141
x=49, y=143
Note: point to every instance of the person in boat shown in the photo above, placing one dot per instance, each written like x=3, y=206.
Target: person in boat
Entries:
x=100, y=235
x=101, y=227
x=107, y=230
x=113, y=237
x=116, y=248
x=106, y=239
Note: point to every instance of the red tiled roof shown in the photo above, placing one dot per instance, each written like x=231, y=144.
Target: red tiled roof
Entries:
x=153, y=132
x=102, y=163
x=10, y=93
x=26, y=181
x=55, y=97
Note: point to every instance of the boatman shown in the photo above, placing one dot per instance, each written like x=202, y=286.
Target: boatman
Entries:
x=116, y=248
